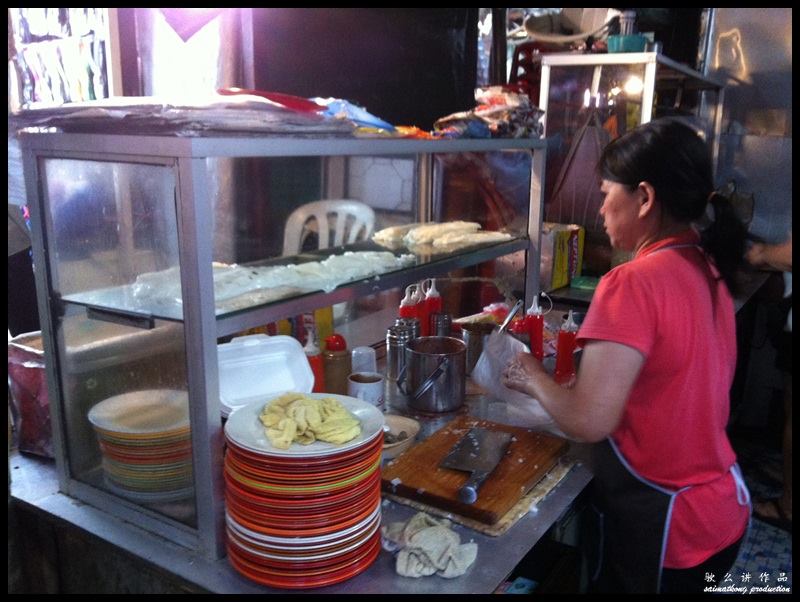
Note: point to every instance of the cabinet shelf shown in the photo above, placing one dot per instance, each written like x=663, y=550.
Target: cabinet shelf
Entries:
x=123, y=301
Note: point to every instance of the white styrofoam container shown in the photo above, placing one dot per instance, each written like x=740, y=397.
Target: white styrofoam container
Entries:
x=258, y=367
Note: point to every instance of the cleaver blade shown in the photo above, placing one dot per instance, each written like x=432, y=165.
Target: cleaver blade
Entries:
x=478, y=452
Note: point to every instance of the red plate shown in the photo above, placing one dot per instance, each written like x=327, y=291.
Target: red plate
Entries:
x=273, y=531
x=300, y=490
x=258, y=473
x=303, y=503
x=301, y=581
x=303, y=463
x=299, y=467
x=307, y=521
x=314, y=560
x=341, y=544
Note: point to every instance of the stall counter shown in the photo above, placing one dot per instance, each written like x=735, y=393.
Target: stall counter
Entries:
x=34, y=489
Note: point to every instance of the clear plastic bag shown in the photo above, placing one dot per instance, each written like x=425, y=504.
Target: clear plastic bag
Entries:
x=519, y=409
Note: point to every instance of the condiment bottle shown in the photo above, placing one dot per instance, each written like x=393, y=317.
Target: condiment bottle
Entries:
x=314, y=357
x=397, y=336
x=409, y=304
x=337, y=363
x=432, y=305
x=534, y=324
x=565, y=348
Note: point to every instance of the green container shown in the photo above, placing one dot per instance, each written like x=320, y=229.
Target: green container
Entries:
x=631, y=43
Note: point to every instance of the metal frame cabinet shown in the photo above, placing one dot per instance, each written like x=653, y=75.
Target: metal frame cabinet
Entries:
x=660, y=73
x=186, y=160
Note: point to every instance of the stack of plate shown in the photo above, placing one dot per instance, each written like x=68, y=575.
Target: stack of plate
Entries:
x=307, y=516
x=145, y=441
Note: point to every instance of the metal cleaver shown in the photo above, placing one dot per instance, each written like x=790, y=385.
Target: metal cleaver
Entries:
x=478, y=452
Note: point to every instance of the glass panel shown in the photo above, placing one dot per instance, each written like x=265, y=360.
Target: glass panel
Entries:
x=111, y=223
x=492, y=189
x=279, y=225
x=588, y=96
x=126, y=411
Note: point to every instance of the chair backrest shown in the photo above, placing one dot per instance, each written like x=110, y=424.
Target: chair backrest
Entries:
x=349, y=221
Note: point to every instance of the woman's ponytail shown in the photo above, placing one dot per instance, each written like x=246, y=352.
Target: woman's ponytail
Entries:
x=724, y=239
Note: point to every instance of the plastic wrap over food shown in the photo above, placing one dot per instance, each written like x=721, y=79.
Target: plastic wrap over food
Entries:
x=232, y=282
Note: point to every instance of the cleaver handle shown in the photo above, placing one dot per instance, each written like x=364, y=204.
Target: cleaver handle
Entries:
x=468, y=493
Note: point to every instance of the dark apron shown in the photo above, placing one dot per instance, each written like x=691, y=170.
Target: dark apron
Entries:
x=634, y=522
x=634, y=517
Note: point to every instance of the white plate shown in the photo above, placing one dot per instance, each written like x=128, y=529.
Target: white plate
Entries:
x=149, y=497
x=363, y=540
x=245, y=429
x=292, y=542
x=146, y=412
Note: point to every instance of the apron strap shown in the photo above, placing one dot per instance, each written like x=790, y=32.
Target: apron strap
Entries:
x=742, y=493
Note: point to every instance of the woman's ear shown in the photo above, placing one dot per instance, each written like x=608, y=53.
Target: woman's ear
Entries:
x=647, y=198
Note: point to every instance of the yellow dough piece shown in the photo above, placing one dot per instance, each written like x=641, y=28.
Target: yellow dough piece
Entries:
x=282, y=435
x=297, y=418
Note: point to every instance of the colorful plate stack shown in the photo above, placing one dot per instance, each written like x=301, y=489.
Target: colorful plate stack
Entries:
x=145, y=441
x=307, y=516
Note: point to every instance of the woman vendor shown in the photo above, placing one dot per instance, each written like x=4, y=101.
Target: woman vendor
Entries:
x=658, y=362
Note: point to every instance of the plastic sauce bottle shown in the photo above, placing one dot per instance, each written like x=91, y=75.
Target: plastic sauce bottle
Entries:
x=432, y=305
x=409, y=304
x=565, y=348
x=534, y=324
x=315, y=361
x=337, y=363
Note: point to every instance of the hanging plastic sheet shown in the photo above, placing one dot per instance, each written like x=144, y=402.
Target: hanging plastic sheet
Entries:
x=576, y=197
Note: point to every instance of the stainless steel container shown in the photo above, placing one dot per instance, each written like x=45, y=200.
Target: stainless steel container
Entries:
x=397, y=337
x=475, y=336
x=435, y=374
x=440, y=325
x=411, y=323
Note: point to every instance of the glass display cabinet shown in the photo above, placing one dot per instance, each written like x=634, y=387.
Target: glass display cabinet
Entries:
x=151, y=249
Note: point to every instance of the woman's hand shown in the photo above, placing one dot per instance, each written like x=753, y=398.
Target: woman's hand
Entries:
x=522, y=373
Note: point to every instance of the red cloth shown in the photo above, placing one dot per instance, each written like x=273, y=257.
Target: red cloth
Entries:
x=669, y=306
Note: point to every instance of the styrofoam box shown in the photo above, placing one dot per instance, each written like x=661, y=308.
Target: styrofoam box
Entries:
x=259, y=367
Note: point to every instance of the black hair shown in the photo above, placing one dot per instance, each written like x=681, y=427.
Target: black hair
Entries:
x=676, y=161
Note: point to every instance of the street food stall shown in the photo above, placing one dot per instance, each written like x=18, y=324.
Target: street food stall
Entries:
x=141, y=286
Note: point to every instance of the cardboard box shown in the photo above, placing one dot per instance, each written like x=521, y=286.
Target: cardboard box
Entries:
x=562, y=254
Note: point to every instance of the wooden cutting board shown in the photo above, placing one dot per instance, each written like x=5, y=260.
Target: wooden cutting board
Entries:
x=416, y=474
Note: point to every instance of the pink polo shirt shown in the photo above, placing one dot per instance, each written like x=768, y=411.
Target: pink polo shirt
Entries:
x=668, y=305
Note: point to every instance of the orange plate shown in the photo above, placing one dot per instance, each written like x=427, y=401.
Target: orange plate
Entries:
x=301, y=581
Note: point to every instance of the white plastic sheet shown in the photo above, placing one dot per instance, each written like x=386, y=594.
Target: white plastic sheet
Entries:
x=520, y=409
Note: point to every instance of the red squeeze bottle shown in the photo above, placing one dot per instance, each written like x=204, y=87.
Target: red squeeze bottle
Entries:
x=534, y=322
x=432, y=305
x=408, y=306
x=565, y=348
x=314, y=356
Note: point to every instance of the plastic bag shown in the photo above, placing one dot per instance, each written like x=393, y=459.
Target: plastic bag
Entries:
x=520, y=409
x=28, y=384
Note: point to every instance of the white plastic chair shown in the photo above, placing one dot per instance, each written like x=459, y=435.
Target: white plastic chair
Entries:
x=348, y=219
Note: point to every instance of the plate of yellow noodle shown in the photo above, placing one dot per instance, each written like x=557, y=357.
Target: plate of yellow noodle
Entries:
x=304, y=424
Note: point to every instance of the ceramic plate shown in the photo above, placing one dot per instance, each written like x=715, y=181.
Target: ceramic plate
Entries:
x=245, y=429
x=150, y=497
x=152, y=411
